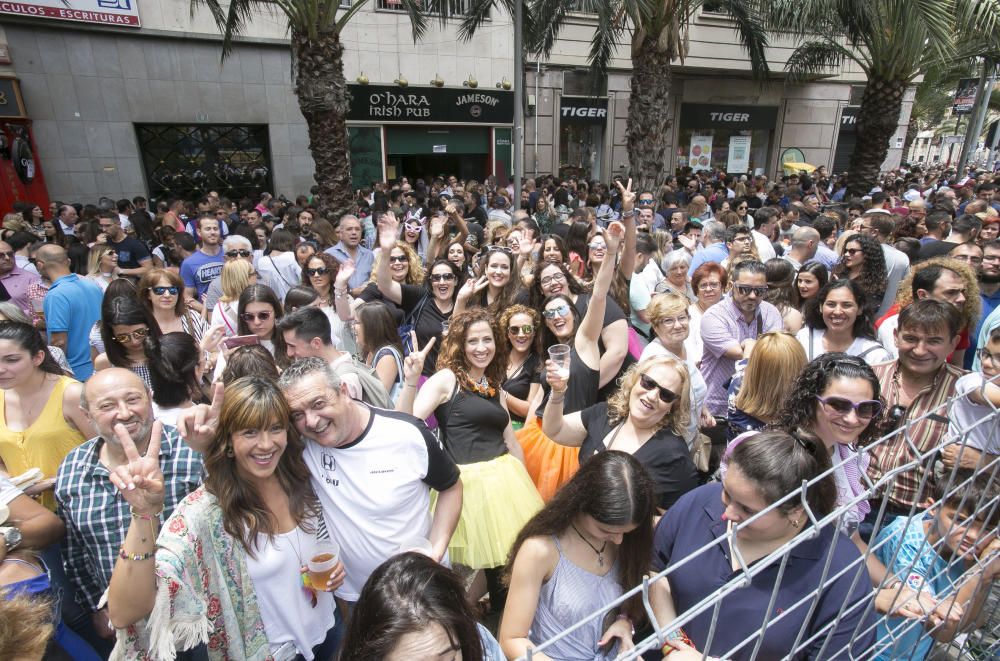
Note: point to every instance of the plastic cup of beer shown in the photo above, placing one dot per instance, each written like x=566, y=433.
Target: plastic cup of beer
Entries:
x=559, y=355
x=320, y=566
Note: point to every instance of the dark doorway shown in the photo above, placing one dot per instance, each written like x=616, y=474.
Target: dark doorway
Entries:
x=428, y=166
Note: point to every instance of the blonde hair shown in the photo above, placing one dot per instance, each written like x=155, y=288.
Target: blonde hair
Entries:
x=25, y=627
x=235, y=278
x=775, y=362
x=678, y=418
x=97, y=253
x=16, y=222
x=665, y=305
x=415, y=274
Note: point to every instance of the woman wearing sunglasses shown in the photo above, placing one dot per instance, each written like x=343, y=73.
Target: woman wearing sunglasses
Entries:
x=161, y=292
x=647, y=417
x=519, y=327
x=427, y=307
x=258, y=313
x=125, y=325
x=102, y=265
x=320, y=274
x=550, y=464
x=414, y=234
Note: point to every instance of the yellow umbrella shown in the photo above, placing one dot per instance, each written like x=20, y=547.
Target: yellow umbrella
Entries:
x=798, y=166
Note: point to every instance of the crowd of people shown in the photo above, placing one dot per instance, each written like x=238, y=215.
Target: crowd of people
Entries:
x=238, y=429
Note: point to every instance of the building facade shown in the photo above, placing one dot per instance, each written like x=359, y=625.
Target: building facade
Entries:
x=116, y=99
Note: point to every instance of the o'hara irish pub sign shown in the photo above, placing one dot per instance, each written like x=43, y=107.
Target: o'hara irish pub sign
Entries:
x=407, y=105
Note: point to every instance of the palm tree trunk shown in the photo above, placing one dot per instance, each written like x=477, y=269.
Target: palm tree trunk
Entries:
x=323, y=98
x=878, y=118
x=649, y=115
x=911, y=134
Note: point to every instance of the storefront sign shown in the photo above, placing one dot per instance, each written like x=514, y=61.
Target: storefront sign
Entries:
x=11, y=104
x=849, y=120
x=106, y=12
x=700, y=157
x=713, y=116
x=586, y=110
x=739, y=154
x=383, y=103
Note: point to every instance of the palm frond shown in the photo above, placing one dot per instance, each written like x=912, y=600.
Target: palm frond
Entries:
x=611, y=26
x=813, y=58
x=345, y=18
x=549, y=16
x=417, y=11
x=751, y=31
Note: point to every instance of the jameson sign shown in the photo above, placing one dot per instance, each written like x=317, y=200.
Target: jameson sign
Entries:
x=384, y=103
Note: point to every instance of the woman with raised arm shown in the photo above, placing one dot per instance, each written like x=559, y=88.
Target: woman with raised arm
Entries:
x=550, y=464
x=227, y=568
x=465, y=396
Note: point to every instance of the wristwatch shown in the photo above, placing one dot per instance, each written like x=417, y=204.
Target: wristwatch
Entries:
x=11, y=536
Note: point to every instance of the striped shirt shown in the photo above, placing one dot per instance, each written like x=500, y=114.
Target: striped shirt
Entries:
x=926, y=434
x=97, y=517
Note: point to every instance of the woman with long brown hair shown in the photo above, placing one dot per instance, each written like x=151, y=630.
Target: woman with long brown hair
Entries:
x=227, y=567
x=465, y=396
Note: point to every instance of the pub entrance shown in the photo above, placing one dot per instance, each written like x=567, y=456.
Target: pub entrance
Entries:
x=430, y=151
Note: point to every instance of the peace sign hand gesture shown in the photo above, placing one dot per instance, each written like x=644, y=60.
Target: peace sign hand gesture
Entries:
x=197, y=424
x=140, y=480
x=627, y=195
x=472, y=287
x=413, y=366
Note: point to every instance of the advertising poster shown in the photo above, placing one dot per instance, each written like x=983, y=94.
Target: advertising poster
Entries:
x=107, y=12
x=700, y=157
x=965, y=96
x=739, y=154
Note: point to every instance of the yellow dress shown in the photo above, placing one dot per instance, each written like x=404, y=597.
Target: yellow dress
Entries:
x=44, y=444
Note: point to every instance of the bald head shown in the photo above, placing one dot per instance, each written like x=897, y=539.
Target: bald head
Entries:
x=805, y=241
x=118, y=396
x=6, y=258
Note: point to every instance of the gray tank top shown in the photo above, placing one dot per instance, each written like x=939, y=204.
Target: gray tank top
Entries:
x=570, y=595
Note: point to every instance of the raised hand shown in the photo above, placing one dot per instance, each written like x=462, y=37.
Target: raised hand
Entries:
x=627, y=195
x=197, y=424
x=556, y=378
x=613, y=237
x=140, y=481
x=388, y=230
x=437, y=226
x=346, y=270
x=472, y=287
x=210, y=341
x=413, y=365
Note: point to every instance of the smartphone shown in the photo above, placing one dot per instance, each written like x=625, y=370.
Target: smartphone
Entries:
x=240, y=341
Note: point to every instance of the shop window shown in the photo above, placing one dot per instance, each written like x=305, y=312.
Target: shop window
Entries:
x=581, y=148
x=188, y=161
x=456, y=7
x=737, y=151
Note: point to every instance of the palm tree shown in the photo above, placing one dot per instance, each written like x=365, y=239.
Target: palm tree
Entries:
x=315, y=28
x=657, y=32
x=892, y=41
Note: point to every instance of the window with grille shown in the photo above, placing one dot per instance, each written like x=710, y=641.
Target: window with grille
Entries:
x=188, y=161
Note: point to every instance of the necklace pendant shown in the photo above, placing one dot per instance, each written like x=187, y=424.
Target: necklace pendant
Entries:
x=600, y=559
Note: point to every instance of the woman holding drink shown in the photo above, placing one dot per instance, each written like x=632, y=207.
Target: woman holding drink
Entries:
x=572, y=347
x=228, y=567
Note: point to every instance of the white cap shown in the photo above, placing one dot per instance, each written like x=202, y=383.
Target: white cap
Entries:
x=911, y=195
x=877, y=189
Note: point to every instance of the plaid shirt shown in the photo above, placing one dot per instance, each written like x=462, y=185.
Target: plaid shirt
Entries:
x=97, y=517
x=925, y=434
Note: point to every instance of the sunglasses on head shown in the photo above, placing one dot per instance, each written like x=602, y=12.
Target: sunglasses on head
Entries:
x=746, y=290
x=322, y=270
x=160, y=291
x=258, y=316
x=242, y=252
x=560, y=311
x=527, y=329
x=442, y=277
x=503, y=249
x=866, y=409
x=667, y=395
x=139, y=334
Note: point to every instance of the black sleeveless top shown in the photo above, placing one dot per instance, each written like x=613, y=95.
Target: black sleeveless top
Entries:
x=472, y=426
x=519, y=385
x=582, y=389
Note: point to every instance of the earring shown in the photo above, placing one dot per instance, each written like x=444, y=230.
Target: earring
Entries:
x=795, y=523
x=229, y=451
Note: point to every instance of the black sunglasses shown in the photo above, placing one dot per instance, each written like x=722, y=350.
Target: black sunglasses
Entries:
x=259, y=316
x=243, y=252
x=322, y=270
x=442, y=277
x=667, y=395
x=160, y=291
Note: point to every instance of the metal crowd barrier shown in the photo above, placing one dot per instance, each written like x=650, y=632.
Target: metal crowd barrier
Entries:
x=979, y=644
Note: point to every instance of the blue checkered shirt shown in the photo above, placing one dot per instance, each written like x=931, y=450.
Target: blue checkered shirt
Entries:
x=97, y=517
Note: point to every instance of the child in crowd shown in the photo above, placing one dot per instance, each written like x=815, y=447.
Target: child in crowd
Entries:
x=951, y=554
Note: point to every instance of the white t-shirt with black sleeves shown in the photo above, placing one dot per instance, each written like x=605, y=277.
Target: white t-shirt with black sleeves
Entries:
x=375, y=491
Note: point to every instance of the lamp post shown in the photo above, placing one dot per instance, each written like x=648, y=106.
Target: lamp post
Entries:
x=518, y=133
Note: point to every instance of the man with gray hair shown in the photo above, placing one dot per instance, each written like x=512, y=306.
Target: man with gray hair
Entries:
x=233, y=247
x=805, y=241
x=117, y=404
x=713, y=237
x=349, y=248
x=373, y=470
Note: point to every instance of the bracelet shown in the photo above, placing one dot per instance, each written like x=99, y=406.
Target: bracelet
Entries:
x=145, y=517
x=631, y=624
x=340, y=293
x=557, y=400
x=628, y=214
x=409, y=385
x=135, y=556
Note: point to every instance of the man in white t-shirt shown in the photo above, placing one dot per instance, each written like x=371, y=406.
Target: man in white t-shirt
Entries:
x=372, y=469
